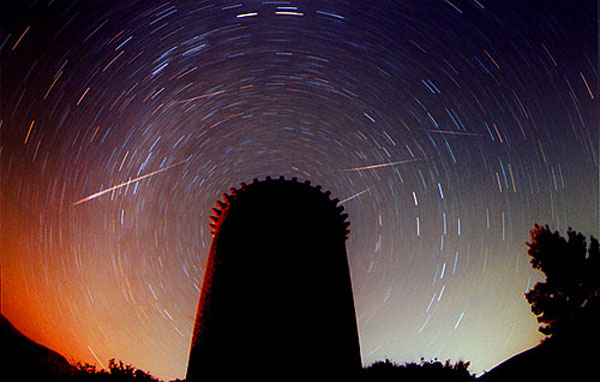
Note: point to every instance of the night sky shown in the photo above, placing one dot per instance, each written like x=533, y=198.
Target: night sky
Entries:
x=447, y=128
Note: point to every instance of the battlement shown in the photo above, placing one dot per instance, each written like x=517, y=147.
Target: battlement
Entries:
x=277, y=295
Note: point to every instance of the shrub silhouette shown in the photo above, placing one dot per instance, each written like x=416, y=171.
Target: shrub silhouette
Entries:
x=379, y=371
x=117, y=372
x=424, y=371
x=567, y=303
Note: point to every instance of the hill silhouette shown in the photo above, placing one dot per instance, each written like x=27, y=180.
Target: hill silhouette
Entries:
x=23, y=359
x=549, y=361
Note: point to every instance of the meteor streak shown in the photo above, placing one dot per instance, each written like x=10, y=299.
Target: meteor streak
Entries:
x=387, y=164
x=202, y=96
x=450, y=132
x=354, y=196
x=100, y=193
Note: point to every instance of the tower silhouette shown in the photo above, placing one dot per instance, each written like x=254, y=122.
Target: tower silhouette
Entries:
x=276, y=299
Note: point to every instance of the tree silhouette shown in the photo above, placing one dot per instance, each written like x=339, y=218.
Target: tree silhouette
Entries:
x=567, y=303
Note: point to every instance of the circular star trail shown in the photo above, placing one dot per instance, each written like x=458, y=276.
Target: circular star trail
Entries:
x=446, y=128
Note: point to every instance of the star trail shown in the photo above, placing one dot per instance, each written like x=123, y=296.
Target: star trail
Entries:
x=447, y=129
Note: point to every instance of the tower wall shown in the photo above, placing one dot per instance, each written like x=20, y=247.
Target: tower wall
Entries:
x=276, y=298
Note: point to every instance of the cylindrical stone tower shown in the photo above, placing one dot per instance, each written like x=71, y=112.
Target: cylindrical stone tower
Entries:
x=276, y=299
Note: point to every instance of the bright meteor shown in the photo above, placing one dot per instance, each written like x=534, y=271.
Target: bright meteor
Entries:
x=354, y=196
x=387, y=164
x=451, y=132
x=100, y=193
